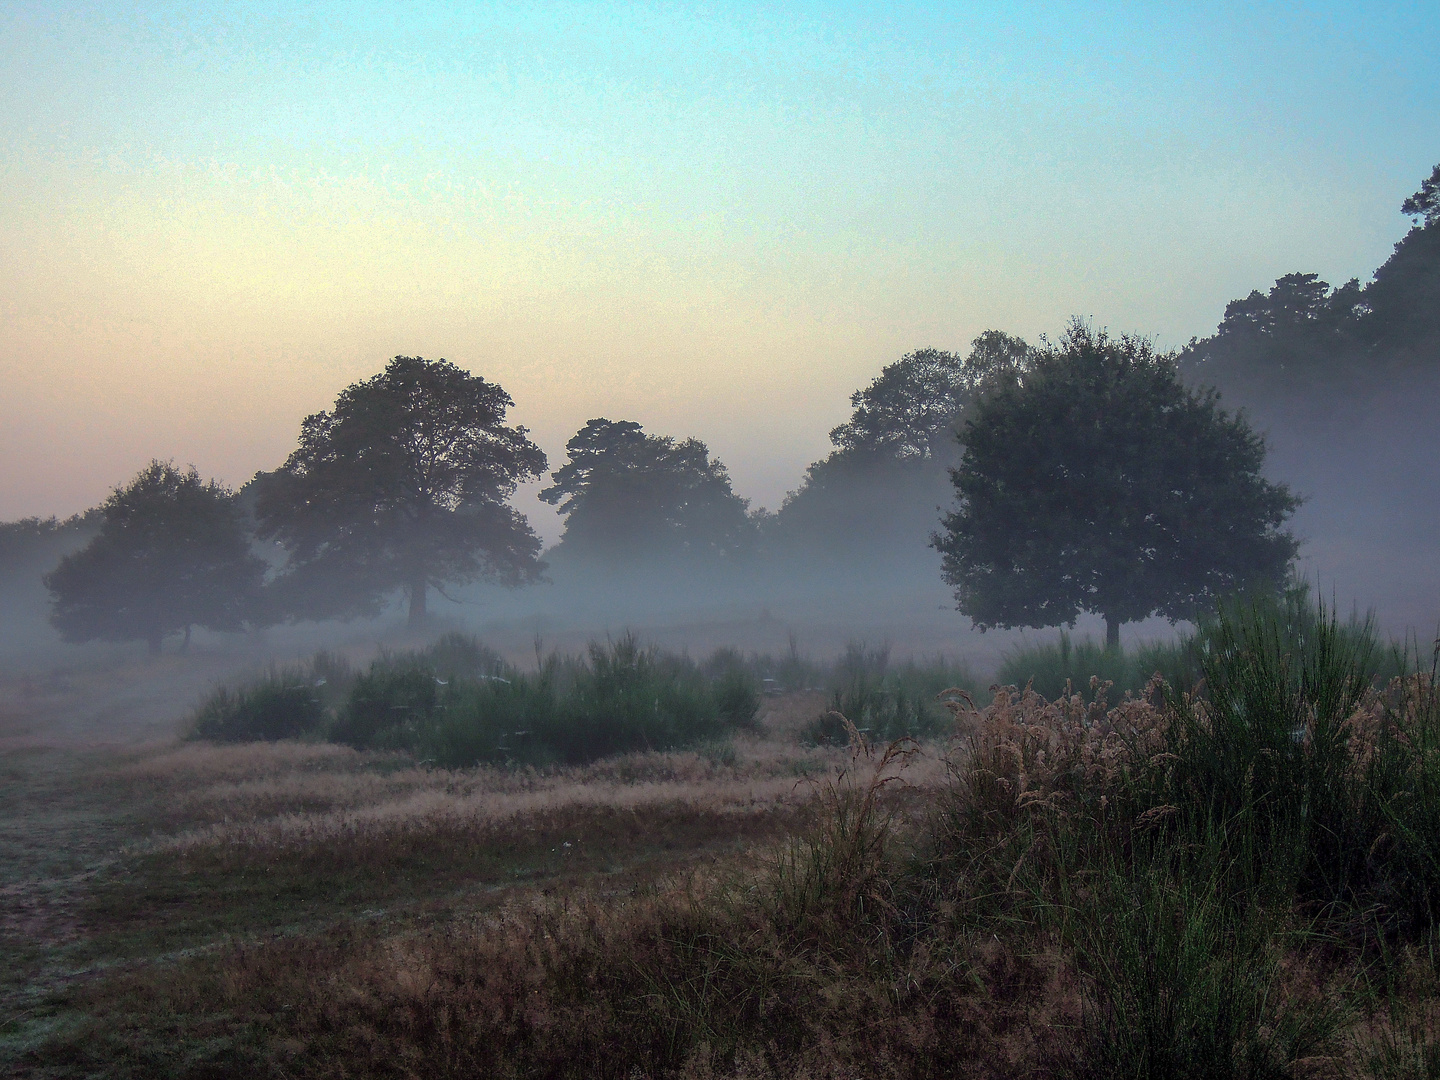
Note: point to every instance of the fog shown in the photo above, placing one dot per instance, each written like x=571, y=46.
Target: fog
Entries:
x=1367, y=469
x=652, y=537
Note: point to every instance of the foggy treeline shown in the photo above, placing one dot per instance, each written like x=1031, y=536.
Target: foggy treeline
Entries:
x=1343, y=380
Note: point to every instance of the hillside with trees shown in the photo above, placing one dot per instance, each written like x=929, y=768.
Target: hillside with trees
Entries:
x=1345, y=384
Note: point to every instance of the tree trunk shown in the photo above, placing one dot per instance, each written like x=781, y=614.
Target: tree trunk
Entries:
x=185, y=645
x=1112, y=634
x=417, y=599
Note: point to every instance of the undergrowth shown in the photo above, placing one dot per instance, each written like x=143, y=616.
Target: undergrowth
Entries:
x=459, y=704
x=1235, y=876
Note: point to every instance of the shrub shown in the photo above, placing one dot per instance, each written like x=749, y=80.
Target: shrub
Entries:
x=281, y=705
x=735, y=686
x=388, y=705
x=284, y=703
x=457, y=704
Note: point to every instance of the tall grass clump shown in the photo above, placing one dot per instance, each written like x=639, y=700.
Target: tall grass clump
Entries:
x=291, y=702
x=1182, y=844
x=1052, y=666
x=1396, y=749
x=884, y=701
x=620, y=697
x=1268, y=752
x=1178, y=983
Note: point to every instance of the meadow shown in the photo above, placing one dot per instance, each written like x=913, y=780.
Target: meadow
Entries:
x=1232, y=873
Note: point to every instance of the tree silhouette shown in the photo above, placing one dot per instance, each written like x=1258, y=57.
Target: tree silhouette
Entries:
x=1095, y=481
x=404, y=484
x=171, y=553
x=626, y=495
x=888, y=468
x=1425, y=203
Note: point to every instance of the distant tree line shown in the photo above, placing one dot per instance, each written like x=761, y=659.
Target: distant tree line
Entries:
x=1304, y=336
x=1088, y=474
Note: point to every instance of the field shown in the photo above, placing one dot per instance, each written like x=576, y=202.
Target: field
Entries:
x=1100, y=884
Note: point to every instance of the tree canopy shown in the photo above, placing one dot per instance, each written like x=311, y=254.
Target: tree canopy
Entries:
x=910, y=411
x=1303, y=338
x=888, y=468
x=1425, y=203
x=1095, y=481
x=403, y=484
x=627, y=495
x=171, y=553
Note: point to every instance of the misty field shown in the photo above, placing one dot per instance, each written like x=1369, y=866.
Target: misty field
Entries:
x=1240, y=879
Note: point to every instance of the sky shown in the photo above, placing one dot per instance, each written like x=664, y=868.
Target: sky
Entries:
x=717, y=220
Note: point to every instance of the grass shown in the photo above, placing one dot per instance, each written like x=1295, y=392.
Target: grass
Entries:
x=1234, y=877
x=1052, y=667
x=885, y=701
x=458, y=704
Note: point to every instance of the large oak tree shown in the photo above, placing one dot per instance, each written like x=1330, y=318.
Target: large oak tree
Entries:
x=1095, y=481
x=404, y=484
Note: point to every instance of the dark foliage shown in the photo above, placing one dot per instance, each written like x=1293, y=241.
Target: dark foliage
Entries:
x=458, y=703
x=885, y=701
x=404, y=484
x=886, y=476
x=171, y=553
x=285, y=704
x=627, y=497
x=1425, y=203
x=1097, y=482
x=1304, y=339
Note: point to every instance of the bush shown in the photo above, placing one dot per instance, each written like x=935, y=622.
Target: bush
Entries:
x=389, y=705
x=275, y=707
x=284, y=703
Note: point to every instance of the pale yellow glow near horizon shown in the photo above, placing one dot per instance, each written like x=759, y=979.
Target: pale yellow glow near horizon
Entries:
x=719, y=225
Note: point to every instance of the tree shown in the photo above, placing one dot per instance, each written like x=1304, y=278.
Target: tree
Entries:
x=910, y=411
x=402, y=485
x=1404, y=298
x=1304, y=340
x=171, y=553
x=907, y=411
x=890, y=461
x=1425, y=203
x=1095, y=481
x=626, y=495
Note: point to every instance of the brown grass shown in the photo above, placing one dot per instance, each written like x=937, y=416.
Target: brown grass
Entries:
x=775, y=911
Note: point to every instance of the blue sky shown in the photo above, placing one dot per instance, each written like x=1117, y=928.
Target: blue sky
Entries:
x=716, y=220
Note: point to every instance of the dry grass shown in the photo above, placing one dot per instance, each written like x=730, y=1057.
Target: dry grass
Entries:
x=287, y=795
x=757, y=910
